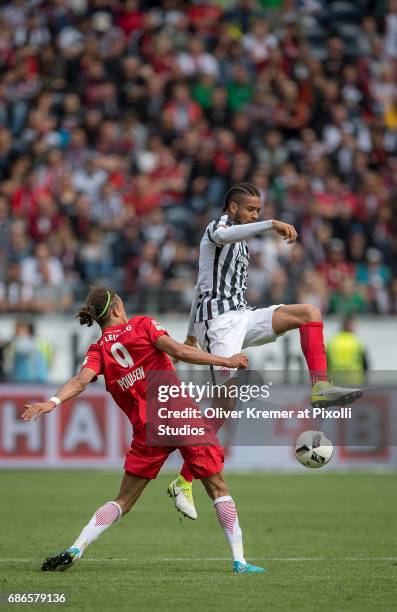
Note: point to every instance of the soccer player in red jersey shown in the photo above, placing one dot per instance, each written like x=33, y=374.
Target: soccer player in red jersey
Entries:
x=125, y=353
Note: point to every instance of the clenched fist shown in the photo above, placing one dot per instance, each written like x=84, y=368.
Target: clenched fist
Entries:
x=287, y=231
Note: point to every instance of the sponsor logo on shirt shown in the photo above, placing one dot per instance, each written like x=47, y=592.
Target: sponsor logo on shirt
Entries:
x=241, y=258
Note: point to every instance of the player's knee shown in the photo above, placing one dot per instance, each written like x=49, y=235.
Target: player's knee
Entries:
x=311, y=313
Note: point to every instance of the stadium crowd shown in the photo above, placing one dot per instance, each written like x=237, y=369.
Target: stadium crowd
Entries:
x=123, y=123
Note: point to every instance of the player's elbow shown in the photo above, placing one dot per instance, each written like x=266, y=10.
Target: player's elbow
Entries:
x=169, y=346
x=220, y=238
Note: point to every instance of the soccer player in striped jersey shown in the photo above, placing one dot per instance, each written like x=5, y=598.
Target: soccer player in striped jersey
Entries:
x=222, y=322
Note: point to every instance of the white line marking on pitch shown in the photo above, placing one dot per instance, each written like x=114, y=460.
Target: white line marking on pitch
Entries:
x=154, y=560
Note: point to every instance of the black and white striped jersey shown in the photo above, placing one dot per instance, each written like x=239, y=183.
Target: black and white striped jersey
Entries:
x=223, y=268
x=223, y=271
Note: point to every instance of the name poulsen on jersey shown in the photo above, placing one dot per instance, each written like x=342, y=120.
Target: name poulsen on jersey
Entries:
x=128, y=381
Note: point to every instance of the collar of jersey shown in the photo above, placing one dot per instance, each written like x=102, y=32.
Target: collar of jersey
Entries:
x=105, y=331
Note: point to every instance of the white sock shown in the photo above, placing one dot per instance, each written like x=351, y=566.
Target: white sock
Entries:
x=105, y=516
x=228, y=519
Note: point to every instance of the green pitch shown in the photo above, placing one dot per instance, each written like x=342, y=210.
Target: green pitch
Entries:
x=328, y=541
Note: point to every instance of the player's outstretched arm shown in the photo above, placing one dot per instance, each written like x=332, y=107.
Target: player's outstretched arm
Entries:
x=72, y=388
x=227, y=234
x=190, y=354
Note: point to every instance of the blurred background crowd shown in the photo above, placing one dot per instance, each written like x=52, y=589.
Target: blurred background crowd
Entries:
x=123, y=123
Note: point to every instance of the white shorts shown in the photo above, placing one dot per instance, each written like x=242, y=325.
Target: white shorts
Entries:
x=228, y=333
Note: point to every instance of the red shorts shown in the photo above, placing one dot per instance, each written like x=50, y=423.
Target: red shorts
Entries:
x=146, y=461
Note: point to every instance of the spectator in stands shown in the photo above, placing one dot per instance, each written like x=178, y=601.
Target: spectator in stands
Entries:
x=346, y=355
x=313, y=290
x=178, y=279
x=375, y=276
x=348, y=299
x=28, y=358
x=41, y=263
x=94, y=257
x=89, y=179
x=336, y=268
x=279, y=290
x=15, y=295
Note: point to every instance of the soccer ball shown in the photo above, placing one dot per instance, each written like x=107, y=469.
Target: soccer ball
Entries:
x=313, y=449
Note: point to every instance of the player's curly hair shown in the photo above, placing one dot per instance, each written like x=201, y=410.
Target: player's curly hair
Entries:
x=97, y=306
x=238, y=191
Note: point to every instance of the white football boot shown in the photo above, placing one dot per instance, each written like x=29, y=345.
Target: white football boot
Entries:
x=180, y=490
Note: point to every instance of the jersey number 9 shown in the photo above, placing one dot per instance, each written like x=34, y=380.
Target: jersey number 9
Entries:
x=121, y=355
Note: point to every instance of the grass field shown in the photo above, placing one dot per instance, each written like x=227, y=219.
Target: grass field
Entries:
x=329, y=542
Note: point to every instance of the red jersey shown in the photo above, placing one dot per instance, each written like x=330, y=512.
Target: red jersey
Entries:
x=124, y=355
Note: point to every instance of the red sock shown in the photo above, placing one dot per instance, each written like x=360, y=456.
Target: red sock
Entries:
x=312, y=343
x=186, y=473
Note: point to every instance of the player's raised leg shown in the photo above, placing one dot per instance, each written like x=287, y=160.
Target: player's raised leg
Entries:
x=308, y=320
x=105, y=516
x=228, y=520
